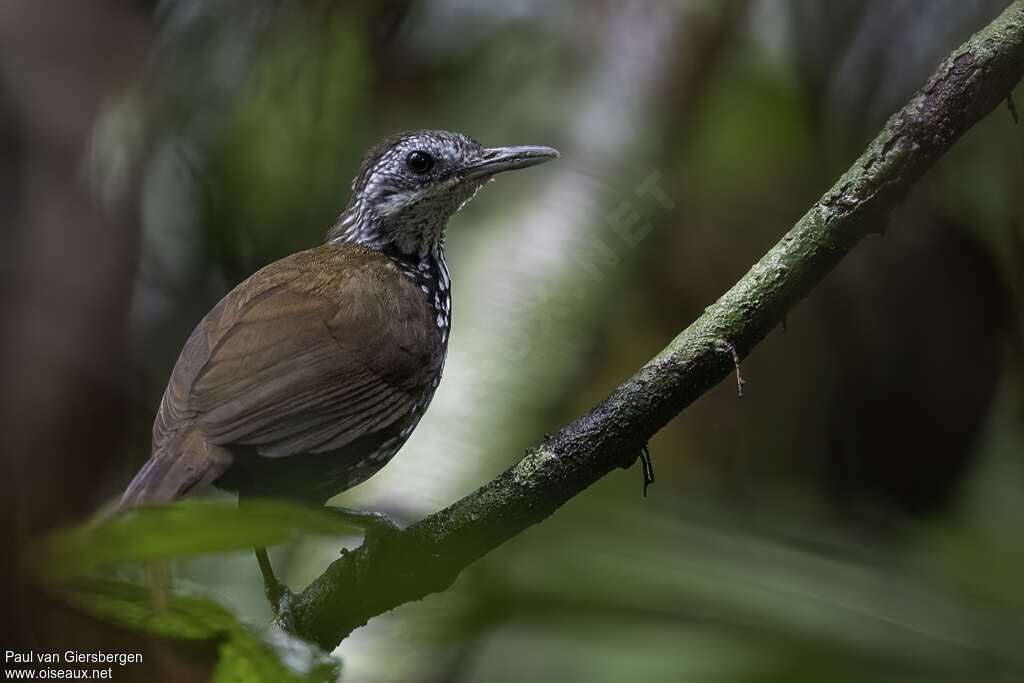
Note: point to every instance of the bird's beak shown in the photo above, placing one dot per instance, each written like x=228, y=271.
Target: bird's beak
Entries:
x=498, y=159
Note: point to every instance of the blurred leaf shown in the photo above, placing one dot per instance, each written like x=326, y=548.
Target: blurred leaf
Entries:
x=180, y=530
x=133, y=606
x=276, y=657
x=271, y=656
x=187, y=528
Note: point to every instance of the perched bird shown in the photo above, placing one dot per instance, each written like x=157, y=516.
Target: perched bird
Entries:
x=309, y=376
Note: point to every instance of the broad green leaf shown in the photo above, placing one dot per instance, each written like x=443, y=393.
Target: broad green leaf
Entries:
x=65, y=560
x=180, y=530
x=245, y=655
x=135, y=606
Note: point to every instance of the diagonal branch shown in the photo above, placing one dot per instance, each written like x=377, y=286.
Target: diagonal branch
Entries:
x=428, y=556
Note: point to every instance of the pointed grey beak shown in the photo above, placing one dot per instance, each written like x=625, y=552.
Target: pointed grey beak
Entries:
x=498, y=159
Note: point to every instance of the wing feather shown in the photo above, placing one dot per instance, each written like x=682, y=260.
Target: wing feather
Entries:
x=309, y=354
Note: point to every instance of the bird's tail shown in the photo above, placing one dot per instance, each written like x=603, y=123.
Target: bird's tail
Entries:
x=186, y=463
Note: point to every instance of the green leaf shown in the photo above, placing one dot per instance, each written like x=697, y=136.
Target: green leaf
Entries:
x=245, y=655
x=275, y=658
x=184, y=529
x=66, y=561
x=135, y=606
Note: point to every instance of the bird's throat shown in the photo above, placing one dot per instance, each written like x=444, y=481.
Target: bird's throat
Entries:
x=413, y=235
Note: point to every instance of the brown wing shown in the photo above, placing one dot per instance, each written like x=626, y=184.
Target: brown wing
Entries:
x=308, y=354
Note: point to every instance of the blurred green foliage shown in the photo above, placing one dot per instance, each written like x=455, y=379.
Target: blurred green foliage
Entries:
x=181, y=530
x=278, y=171
x=71, y=564
x=853, y=518
x=260, y=655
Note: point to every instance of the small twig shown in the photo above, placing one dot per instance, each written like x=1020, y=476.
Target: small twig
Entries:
x=648, y=467
x=278, y=595
x=1012, y=107
x=271, y=586
x=739, y=378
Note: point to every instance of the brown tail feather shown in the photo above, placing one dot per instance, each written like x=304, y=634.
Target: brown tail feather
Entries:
x=186, y=463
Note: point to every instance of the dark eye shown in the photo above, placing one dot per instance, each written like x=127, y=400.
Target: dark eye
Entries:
x=419, y=162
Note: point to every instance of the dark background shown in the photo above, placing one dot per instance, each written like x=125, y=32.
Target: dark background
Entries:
x=856, y=516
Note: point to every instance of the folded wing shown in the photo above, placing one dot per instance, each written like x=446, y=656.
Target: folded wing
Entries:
x=318, y=350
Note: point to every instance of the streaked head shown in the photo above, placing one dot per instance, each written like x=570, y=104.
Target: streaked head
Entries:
x=411, y=183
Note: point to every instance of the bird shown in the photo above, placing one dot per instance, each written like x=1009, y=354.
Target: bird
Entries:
x=309, y=376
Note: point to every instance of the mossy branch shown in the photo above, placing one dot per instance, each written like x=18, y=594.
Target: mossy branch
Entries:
x=428, y=556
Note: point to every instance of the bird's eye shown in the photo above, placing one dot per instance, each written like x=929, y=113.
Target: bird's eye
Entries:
x=419, y=162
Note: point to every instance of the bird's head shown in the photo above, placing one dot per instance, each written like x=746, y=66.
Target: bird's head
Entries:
x=411, y=183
